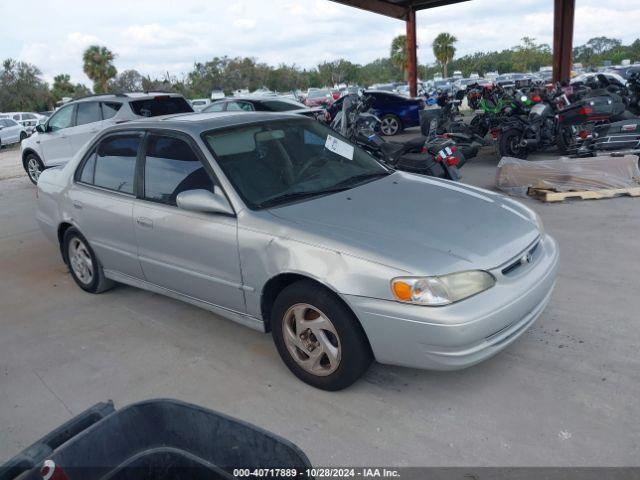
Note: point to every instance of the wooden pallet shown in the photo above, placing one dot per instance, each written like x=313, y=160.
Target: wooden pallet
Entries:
x=545, y=195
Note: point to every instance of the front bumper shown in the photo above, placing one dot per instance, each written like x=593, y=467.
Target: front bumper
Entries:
x=464, y=333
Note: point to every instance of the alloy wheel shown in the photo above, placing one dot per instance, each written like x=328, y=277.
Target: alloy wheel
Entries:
x=311, y=339
x=389, y=126
x=33, y=169
x=80, y=261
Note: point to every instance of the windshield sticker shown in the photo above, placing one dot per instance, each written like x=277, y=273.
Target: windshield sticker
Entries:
x=336, y=145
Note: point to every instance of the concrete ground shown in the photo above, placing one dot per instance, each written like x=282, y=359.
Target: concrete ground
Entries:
x=565, y=393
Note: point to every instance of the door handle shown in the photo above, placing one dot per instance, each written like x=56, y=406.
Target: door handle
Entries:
x=144, y=222
x=77, y=204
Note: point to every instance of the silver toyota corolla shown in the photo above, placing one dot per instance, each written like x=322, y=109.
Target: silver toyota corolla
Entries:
x=277, y=222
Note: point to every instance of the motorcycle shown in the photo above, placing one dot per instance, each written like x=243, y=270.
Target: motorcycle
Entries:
x=445, y=122
x=438, y=158
x=538, y=129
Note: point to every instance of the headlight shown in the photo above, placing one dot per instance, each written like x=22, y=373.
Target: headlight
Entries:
x=442, y=290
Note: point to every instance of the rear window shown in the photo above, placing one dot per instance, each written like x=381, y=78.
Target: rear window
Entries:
x=163, y=105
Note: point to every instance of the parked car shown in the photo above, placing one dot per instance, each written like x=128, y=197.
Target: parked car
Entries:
x=217, y=94
x=395, y=111
x=76, y=122
x=28, y=120
x=275, y=222
x=265, y=104
x=11, y=132
x=318, y=98
x=198, y=104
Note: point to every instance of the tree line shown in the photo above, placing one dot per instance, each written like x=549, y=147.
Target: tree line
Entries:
x=23, y=89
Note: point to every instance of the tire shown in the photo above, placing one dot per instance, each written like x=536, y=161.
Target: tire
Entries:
x=328, y=326
x=509, y=144
x=478, y=126
x=34, y=167
x=84, y=266
x=390, y=125
x=566, y=141
x=23, y=135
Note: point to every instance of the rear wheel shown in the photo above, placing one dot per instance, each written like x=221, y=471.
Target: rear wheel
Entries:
x=390, y=125
x=83, y=264
x=34, y=167
x=509, y=144
x=318, y=337
x=566, y=140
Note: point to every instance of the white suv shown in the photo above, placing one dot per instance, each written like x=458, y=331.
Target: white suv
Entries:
x=58, y=139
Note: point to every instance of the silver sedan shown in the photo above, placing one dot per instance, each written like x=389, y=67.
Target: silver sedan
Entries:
x=277, y=222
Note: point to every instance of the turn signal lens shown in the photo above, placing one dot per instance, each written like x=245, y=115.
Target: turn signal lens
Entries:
x=402, y=291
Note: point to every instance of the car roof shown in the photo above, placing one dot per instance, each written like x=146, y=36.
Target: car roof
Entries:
x=196, y=123
x=122, y=96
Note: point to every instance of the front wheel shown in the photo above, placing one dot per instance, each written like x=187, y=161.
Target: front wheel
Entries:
x=34, y=167
x=23, y=135
x=390, y=125
x=318, y=337
x=509, y=144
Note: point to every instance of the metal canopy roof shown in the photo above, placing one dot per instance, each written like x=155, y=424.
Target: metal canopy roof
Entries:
x=396, y=8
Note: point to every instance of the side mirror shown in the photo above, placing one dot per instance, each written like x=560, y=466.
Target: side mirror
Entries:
x=204, y=201
x=40, y=128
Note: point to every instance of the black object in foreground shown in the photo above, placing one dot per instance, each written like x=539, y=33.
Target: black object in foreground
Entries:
x=156, y=439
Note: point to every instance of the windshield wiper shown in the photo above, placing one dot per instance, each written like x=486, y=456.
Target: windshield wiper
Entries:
x=270, y=202
x=356, y=179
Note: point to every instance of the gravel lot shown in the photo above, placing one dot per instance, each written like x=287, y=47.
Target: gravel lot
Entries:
x=565, y=393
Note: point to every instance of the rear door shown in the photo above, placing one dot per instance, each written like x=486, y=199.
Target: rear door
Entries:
x=102, y=197
x=55, y=142
x=88, y=123
x=192, y=253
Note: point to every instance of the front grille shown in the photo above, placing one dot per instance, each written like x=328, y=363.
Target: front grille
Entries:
x=526, y=258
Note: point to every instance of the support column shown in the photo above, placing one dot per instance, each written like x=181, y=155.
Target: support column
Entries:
x=563, y=39
x=412, y=54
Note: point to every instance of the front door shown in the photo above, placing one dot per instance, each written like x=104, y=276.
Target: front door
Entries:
x=55, y=143
x=195, y=254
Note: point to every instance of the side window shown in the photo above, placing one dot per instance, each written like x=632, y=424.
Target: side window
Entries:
x=239, y=106
x=215, y=107
x=172, y=167
x=88, y=112
x=63, y=118
x=115, y=163
x=16, y=117
x=109, y=109
x=89, y=168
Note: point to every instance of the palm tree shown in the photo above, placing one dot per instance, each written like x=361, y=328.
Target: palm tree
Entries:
x=444, y=50
x=399, y=52
x=98, y=65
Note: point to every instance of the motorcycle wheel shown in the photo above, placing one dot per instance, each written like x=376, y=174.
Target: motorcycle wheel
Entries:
x=566, y=140
x=509, y=144
x=478, y=126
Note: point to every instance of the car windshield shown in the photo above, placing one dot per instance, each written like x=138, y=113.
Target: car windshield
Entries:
x=319, y=93
x=279, y=162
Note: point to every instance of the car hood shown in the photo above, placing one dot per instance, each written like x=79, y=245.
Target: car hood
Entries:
x=418, y=224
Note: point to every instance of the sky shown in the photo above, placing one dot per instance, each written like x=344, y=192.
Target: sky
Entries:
x=161, y=36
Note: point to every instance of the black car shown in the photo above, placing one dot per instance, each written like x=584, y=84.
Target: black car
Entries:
x=263, y=104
